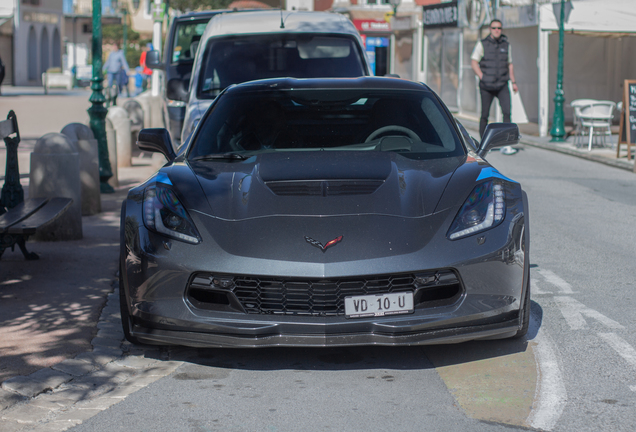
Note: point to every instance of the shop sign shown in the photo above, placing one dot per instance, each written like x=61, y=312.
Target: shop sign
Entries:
x=440, y=15
x=372, y=25
x=40, y=17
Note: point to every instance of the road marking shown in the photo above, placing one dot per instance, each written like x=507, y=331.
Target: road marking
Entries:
x=536, y=288
x=573, y=312
x=622, y=347
x=550, y=394
x=633, y=388
x=555, y=280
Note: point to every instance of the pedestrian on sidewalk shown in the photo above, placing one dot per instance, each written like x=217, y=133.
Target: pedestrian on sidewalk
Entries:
x=147, y=72
x=117, y=68
x=491, y=61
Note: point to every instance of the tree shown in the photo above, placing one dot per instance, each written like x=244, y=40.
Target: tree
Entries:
x=190, y=5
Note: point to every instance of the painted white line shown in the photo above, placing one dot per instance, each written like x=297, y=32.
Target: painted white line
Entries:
x=550, y=395
x=632, y=388
x=536, y=288
x=555, y=280
x=622, y=347
x=573, y=312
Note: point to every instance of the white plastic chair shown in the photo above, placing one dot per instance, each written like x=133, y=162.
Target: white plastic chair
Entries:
x=598, y=115
x=577, y=103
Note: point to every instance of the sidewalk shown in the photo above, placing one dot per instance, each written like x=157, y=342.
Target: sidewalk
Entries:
x=49, y=308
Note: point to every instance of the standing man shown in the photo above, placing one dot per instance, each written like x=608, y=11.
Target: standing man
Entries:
x=115, y=66
x=492, y=62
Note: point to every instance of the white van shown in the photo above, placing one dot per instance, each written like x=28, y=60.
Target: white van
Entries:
x=269, y=44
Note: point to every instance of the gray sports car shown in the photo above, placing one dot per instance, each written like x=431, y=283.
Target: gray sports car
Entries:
x=325, y=212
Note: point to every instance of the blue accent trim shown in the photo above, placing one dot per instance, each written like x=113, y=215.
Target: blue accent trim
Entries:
x=490, y=172
x=163, y=178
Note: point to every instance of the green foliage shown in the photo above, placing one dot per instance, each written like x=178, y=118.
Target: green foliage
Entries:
x=191, y=5
x=115, y=33
x=134, y=43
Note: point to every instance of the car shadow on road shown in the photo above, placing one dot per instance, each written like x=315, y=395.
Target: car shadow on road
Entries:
x=358, y=358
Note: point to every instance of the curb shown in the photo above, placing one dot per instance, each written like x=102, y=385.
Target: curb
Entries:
x=561, y=148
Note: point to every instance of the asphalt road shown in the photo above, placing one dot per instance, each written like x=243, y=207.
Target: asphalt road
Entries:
x=575, y=372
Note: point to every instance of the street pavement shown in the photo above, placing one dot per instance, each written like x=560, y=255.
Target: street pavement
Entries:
x=62, y=353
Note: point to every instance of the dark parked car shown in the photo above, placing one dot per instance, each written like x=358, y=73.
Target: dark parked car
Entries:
x=178, y=57
x=325, y=212
x=236, y=48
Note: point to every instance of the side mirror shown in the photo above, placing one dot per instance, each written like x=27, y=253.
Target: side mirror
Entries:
x=498, y=135
x=153, y=60
x=156, y=140
x=177, y=89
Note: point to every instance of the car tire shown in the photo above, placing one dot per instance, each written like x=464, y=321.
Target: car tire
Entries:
x=126, y=322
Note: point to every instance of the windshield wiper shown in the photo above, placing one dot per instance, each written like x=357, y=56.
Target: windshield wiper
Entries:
x=222, y=156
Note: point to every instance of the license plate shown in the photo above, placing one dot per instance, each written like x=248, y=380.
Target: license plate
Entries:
x=378, y=305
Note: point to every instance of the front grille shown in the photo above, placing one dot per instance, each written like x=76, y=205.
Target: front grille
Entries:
x=320, y=297
x=324, y=187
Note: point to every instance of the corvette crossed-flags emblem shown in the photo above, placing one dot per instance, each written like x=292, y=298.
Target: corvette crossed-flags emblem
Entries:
x=320, y=246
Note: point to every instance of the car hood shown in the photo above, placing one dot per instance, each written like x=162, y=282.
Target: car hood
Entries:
x=325, y=183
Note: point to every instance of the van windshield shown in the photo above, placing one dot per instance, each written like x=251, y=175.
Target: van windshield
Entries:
x=236, y=59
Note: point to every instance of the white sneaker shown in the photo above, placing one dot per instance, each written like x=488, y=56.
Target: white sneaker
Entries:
x=508, y=150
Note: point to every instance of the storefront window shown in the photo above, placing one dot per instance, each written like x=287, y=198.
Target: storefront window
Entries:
x=443, y=64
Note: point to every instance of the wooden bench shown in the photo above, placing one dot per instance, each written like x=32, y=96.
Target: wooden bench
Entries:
x=20, y=219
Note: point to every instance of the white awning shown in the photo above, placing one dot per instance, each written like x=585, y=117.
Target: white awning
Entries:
x=608, y=18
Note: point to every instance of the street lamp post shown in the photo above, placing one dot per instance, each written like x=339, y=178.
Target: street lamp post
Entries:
x=97, y=112
x=558, y=123
x=395, y=4
x=124, y=11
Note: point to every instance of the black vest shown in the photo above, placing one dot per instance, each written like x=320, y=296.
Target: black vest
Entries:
x=494, y=64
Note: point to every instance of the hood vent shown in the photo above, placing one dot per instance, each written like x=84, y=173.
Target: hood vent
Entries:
x=323, y=187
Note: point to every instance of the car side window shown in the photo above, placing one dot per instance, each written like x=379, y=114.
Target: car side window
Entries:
x=187, y=36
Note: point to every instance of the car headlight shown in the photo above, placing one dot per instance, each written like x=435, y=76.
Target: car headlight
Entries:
x=164, y=214
x=485, y=208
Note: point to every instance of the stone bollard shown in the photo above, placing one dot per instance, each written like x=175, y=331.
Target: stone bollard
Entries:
x=86, y=145
x=111, y=139
x=144, y=102
x=121, y=123
x=55, y=172
x=136, y=116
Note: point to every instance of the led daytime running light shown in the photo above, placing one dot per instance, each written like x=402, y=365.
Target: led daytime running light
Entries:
x=495, y=211
x=161, y=203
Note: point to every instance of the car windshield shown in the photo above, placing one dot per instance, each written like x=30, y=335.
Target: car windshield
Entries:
x=186, y=38
x=236, y=59
x=411, y=123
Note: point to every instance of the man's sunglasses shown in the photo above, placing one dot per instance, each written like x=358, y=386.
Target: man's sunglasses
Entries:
x=496, y=28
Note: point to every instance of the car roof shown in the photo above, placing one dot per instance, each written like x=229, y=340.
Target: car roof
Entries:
x=208, y=14
x=361, y=83
x=269, y=21
x=202, y=14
